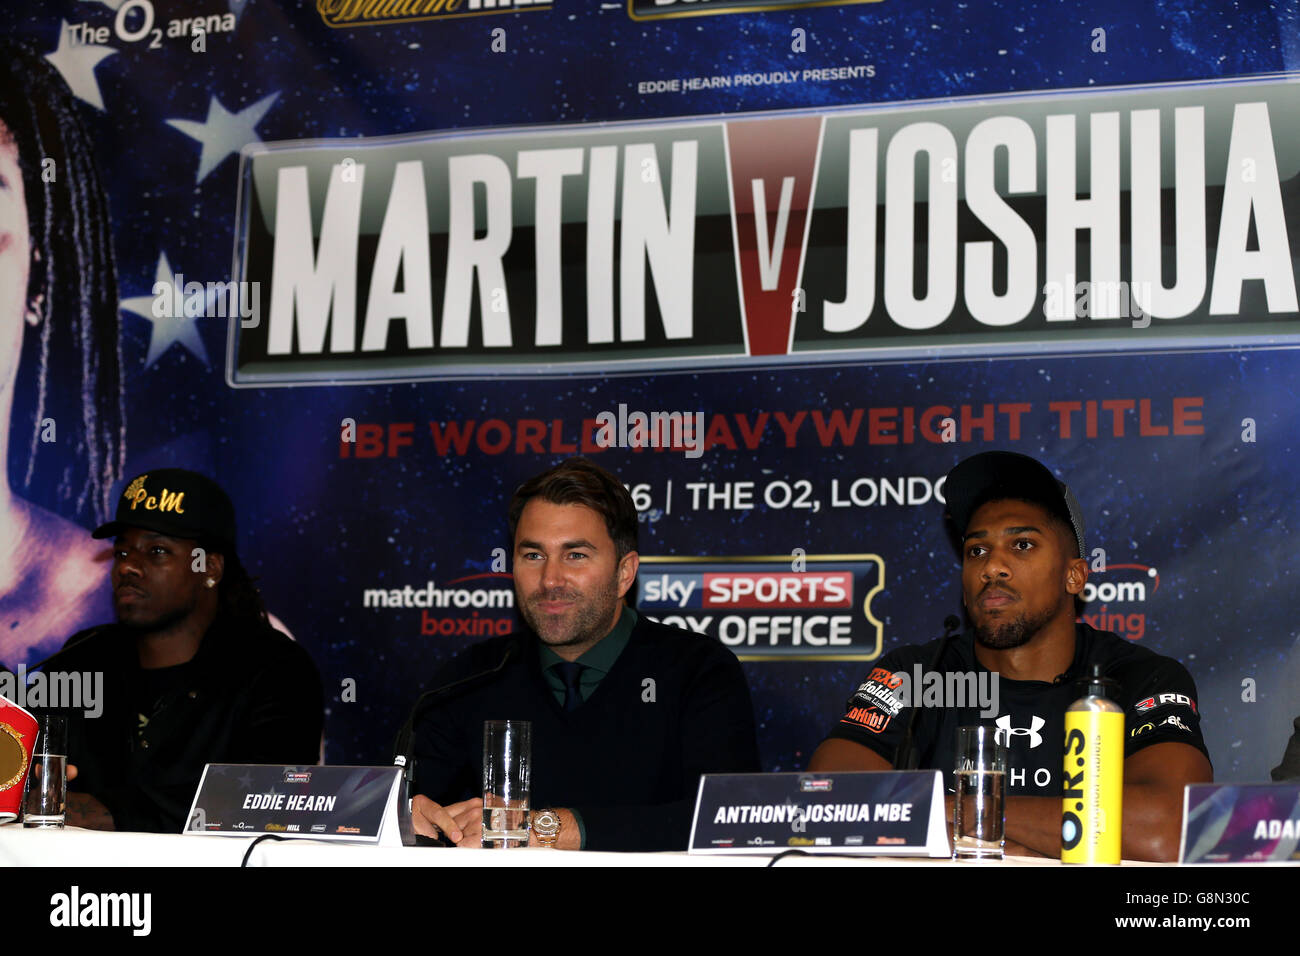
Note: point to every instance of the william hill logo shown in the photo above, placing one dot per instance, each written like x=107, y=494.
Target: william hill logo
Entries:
x=139, y=496
x=369, y=13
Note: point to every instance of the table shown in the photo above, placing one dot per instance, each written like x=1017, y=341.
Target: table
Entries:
x=75, y=847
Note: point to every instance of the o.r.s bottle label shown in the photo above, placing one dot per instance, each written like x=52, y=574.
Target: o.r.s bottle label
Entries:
x=1092, y=804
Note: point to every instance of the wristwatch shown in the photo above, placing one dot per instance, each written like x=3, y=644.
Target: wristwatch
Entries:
x=546, y=824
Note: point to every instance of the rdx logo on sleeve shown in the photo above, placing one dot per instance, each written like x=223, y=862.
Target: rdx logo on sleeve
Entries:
x=1165, y=700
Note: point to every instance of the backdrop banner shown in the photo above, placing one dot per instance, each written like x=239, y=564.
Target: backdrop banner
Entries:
x=778, y=266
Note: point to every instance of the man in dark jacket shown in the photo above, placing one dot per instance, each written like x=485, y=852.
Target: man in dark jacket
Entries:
x=626, y=713
x=1289, y=768
x=193, y=671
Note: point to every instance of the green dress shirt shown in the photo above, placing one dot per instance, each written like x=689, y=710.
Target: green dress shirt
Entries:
x=596, y=663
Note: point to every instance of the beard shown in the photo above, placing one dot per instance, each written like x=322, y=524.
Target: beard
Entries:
x=142, y=622
x=1018, y=631
x=586, y=622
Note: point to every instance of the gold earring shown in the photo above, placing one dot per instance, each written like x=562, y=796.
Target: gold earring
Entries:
x=211, y=583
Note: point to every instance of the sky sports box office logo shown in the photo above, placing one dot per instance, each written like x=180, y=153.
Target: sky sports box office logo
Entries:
x=666, y=9
x=809, y=608
x=773, y=239
x=816, y=607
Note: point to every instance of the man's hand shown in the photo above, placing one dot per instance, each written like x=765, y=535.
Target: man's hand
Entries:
x=461, y=823
x=1154, y=779
x=83, y=810
x=570, y=835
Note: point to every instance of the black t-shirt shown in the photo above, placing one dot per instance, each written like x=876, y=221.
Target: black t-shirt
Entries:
x=153, y=687
x=1157, y=694
x=249, y=695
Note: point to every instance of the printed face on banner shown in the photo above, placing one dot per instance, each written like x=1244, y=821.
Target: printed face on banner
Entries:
x=154, y=585
x=15, y=256
x=568, y=581
x=1016, y=573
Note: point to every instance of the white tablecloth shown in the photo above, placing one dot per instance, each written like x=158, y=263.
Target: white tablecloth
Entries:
x=75, y=847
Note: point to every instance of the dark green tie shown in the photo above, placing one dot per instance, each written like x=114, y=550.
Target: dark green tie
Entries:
x=570, y=672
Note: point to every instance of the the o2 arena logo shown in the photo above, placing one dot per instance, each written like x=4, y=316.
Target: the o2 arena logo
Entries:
x=815, y=607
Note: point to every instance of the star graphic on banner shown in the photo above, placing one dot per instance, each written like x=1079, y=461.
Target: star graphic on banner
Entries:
x=224, y=132
x=245, y=781
x=169, y=329
x=237, y=7
x=76, y=61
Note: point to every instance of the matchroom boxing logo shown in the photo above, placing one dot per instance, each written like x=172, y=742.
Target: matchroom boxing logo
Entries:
x=1115, y=599
x=474, y=606
x=814, y=608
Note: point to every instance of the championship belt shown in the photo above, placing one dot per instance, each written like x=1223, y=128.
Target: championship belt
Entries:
x=17, y=739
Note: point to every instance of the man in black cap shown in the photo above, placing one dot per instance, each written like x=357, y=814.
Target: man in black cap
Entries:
x=1020, y=535
x=193, y=671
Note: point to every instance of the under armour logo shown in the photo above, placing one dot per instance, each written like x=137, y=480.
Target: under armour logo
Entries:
x=1005, y=730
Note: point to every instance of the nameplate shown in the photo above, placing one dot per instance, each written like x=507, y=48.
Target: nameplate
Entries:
x=1241, y=823
x=353, y=804
x=876, y=813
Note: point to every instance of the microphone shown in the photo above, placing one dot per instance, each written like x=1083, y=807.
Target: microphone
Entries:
x=405, y=740
x=20, y=675
x=68, y=647
x=907, y=758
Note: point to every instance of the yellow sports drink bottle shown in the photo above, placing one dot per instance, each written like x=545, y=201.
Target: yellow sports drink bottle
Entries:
x=1092, y=808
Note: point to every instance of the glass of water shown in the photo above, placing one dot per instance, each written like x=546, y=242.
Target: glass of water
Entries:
x=47, y=784
x=978, y=814
x=507, y=769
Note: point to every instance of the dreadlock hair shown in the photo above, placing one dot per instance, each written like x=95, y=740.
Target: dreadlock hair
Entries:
x=71, y=370
x=237, y=595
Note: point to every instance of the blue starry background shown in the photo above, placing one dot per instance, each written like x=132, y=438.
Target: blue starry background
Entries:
x=1213, y=514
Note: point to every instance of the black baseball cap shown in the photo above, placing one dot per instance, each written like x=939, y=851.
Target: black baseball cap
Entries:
x=994, y=475
x=175, y=502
